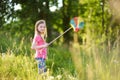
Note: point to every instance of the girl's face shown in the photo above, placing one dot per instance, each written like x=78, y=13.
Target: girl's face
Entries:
x=41, y=28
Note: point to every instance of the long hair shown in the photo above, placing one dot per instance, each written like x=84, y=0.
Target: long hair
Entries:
x=36, y=28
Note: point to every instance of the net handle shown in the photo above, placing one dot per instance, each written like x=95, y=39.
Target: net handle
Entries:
x=59, y=36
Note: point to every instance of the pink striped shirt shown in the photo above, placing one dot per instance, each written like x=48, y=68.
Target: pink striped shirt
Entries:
x=40, y=53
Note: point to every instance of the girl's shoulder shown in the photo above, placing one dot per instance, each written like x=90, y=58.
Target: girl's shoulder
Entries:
x=37, y=37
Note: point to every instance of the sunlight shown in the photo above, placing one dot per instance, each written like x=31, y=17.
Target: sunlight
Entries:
x=17, y=7
x=53, y=8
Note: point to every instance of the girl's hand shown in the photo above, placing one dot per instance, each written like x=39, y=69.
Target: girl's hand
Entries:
x=45, y=45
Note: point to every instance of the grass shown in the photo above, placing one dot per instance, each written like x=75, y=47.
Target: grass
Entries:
x=76, y=63
x=22, y=67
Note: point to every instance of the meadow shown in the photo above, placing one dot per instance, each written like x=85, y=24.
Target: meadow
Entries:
x=76, y=62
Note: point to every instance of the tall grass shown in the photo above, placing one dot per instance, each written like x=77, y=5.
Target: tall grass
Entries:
x=96, y=64
x=63, y=63
x=17, y=61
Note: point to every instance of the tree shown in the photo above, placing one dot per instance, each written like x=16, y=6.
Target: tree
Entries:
x=70, y=9
x=6, y=10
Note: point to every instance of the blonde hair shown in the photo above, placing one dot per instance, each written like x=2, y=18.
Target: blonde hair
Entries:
x=36, y=27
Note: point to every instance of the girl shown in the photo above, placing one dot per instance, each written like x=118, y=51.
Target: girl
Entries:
x=40, y=45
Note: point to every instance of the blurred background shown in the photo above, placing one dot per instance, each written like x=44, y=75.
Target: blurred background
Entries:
x=90, y=54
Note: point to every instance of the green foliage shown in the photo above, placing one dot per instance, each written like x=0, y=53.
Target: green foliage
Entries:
x=94, y=62
x=19, y=62
x=14, y=44
x=6, y=10
x=21, y=22
x=97, y=57
x=60, y=60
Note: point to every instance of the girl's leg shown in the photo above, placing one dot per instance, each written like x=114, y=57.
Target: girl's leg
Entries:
x=44, y=65
x=41, y=66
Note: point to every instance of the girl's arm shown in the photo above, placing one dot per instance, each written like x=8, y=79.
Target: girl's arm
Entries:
x=34, y=46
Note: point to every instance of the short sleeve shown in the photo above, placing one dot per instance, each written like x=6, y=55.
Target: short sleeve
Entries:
x=38, y=40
